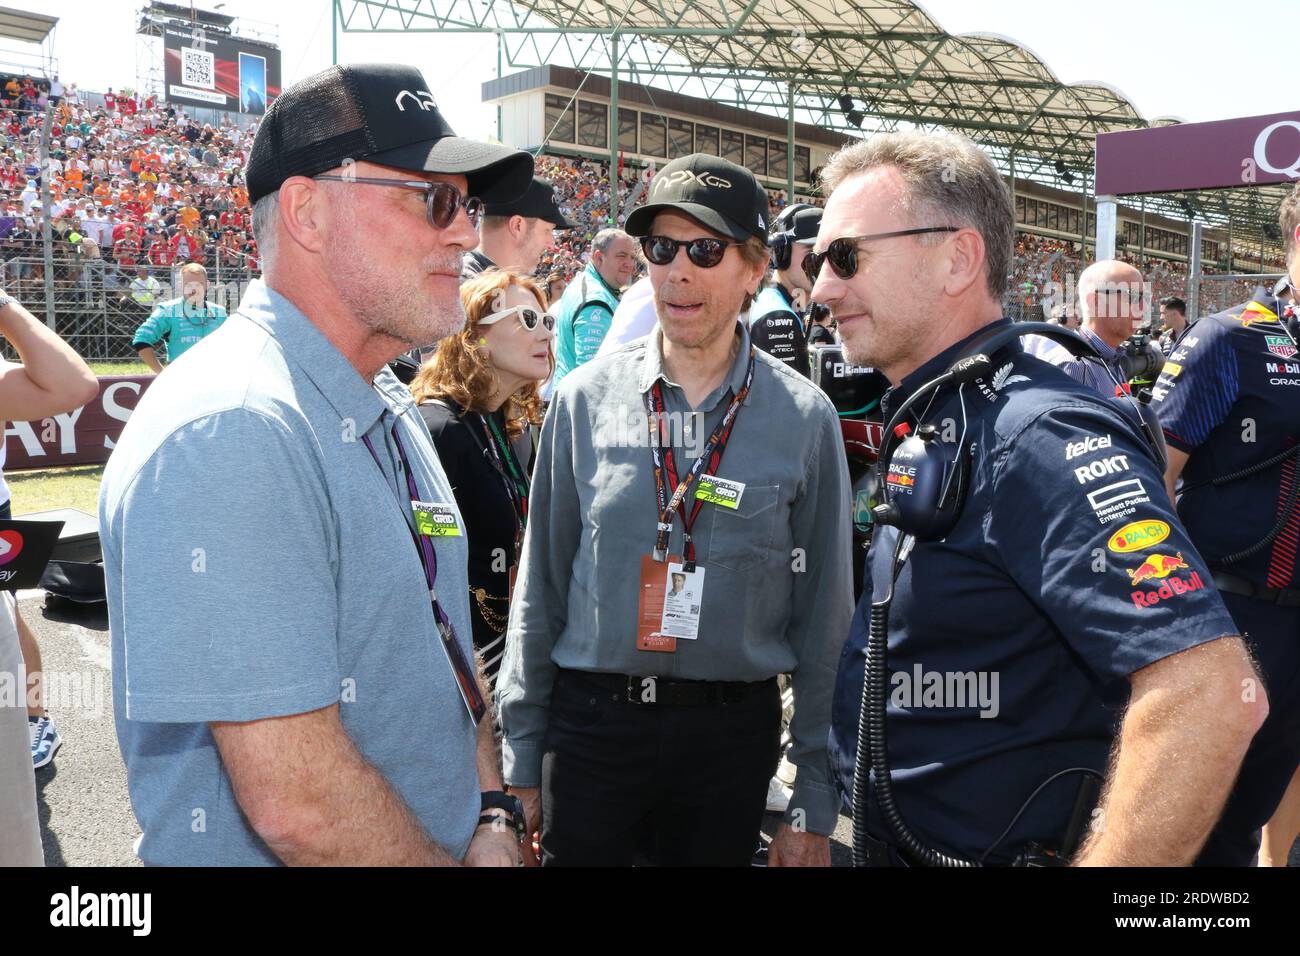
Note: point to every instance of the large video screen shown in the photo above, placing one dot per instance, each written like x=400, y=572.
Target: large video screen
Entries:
x=222, y=72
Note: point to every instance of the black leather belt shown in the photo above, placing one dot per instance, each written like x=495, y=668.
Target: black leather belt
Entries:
x=1282, y=597
x=663, y=691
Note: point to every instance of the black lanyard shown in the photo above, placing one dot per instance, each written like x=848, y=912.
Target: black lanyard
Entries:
x=506, y=463
x=466, y=678
x=712, y=456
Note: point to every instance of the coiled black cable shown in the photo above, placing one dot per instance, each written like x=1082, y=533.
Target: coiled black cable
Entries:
x=873, y=742
x=1293, y=498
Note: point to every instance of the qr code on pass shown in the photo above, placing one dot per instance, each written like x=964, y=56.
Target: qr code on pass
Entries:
x=198, y=68
x=695, y=609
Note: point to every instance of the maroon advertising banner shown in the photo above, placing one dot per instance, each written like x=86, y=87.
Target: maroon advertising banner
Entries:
x=83, y=436
x=1248, y=151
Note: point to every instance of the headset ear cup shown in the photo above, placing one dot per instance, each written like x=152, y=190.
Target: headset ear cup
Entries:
x=780, y=253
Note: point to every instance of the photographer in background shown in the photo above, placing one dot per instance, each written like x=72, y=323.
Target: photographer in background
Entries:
x=1111, y=302
x=1173, y=316
x=50, y=380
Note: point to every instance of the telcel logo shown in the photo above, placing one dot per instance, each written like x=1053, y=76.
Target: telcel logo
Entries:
x=1088, y=445
x=1137, y=535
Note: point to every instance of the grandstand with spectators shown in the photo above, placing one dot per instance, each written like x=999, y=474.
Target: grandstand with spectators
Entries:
x=136, y=182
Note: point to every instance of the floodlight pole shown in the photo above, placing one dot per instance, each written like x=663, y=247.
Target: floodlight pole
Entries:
x=1107, y=226
x=1012, y=186
x=1194, y=273
x=613, y=129
x=1142, y=239
x=789, y=150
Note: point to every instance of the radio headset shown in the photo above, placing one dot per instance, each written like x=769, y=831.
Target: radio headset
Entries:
x=936, y=475
x=781, y=238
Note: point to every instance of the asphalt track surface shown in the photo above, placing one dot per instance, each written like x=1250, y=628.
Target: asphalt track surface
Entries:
x=85, y=814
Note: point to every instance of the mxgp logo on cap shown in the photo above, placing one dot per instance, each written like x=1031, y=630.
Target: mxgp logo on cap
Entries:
x=683, y=177
x=423, y=99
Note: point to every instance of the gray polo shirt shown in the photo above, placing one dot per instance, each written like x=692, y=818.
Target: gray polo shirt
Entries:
x=258, y=564
x=778, y=593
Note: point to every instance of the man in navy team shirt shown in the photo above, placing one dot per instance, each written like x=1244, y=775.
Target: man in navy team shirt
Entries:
x=1228, y=402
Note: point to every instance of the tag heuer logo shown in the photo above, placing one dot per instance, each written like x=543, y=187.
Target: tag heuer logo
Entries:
x=1280, y=345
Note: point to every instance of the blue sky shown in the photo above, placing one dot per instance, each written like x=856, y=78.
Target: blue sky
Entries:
x=1191, y=59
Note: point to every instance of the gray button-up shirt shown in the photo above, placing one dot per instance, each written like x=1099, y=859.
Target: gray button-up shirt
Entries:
x=777, y=587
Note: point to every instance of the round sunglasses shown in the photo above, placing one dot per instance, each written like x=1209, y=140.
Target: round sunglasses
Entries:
x=528, y=318
x=441, y=200
x=705, y=252
x=842, y=253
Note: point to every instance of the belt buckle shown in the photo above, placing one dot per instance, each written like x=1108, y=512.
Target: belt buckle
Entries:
x=636, y=687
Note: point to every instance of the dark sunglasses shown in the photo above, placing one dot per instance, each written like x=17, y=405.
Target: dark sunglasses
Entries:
x=528, y=318
x=705, y=253
x=441, y=200
x=842, y=253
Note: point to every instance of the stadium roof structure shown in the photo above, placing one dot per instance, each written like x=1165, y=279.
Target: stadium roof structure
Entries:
x=851, y=65
x=25, y=26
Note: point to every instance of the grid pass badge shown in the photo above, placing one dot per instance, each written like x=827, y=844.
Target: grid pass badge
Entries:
x=720, y=491
x=435, y=519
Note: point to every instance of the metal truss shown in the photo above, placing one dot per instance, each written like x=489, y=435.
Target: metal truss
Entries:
x=898, y=66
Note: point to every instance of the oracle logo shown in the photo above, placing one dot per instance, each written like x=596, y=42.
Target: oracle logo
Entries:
x=1261, y=150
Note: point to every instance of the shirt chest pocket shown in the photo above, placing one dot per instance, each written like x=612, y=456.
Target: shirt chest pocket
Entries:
x=743, y=538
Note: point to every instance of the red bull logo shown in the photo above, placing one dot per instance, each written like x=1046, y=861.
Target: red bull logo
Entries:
x=1157, y=567
x=1160, y=567
x=1254, y=312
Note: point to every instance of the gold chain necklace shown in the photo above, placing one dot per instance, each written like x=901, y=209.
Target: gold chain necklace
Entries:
x=494, y=619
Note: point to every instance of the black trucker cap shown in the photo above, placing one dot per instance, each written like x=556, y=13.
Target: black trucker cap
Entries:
x=804, y=225
x=382, y=113
x=537, y=202
x=721, y=195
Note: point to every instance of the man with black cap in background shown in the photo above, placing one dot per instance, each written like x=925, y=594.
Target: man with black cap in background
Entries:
x=633, y=723
x=776, y=317
x=515, y=233
x=305, y=693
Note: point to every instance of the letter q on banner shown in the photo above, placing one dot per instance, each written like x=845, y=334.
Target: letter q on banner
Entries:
x=1261, y=150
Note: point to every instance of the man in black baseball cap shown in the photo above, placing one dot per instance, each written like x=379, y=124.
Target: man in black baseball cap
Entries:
x=384, y=114
x=664, y=718
x=364, y=204
x=516, y=232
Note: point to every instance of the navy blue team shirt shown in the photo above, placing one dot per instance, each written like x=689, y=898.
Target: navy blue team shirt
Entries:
x=1066, y=572
x=1229, y=397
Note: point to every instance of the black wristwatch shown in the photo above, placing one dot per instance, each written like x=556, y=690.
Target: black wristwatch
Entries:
x=498, y=800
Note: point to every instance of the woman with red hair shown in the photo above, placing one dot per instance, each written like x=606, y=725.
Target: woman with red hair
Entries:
x=478, y=394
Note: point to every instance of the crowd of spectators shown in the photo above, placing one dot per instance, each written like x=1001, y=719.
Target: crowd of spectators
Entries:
x=137, y=182
x=132, y=182
x=1043, y=268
